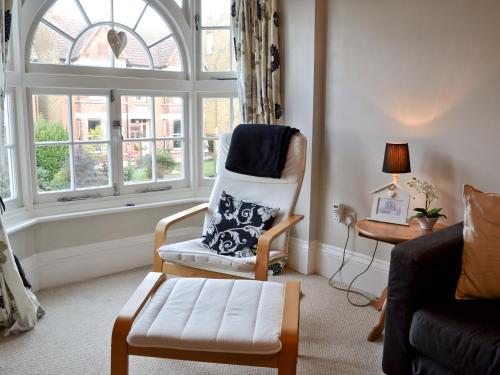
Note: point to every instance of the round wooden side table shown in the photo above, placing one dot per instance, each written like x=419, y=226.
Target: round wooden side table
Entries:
x=392, y=234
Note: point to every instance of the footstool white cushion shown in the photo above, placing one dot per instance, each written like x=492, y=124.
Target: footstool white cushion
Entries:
x=212, y=315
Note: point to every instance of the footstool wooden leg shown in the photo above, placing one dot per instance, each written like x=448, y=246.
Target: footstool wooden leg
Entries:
x=119, y=360
x=123, y=323
x=287, y=359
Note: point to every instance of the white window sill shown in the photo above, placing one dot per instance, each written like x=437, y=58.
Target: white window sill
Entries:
x=19, y=219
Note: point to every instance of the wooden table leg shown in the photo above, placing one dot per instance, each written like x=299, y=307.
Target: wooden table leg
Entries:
x=378, y=303
x=377, y=330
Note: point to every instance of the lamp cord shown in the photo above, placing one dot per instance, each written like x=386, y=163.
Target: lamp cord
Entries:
x=349, y=290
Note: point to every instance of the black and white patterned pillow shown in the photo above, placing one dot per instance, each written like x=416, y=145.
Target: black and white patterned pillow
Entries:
x=236, y=226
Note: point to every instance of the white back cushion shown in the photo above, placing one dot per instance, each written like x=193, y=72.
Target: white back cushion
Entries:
x=271, y=192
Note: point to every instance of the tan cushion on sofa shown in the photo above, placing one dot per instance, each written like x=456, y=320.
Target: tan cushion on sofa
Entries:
x=480, y=277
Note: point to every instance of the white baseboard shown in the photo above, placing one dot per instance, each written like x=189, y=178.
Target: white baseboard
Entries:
x=329, y=259
x=315, y=257
x=302, y=255
x=79, y=263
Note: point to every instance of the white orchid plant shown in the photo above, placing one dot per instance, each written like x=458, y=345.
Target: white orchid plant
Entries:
x=429, y=191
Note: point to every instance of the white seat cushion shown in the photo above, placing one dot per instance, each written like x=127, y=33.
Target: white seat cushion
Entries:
x=192, y=253
x=212, y=315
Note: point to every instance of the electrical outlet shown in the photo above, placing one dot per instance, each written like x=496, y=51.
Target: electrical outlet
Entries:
x=338, y=212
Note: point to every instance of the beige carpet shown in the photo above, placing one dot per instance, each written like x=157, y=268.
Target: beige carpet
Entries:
x=74, y=336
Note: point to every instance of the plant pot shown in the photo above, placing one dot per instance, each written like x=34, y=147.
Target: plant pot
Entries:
x=427, y=223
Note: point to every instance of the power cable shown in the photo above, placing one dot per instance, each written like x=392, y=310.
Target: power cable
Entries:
x=349, y=290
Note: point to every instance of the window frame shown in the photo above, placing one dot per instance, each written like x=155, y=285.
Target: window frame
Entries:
x=138, y=187
x=208, y=181
x=115, y=144
x=63, y=79
x=169, y=19
x=212, y=75
x=14, y=201
x=50, y=196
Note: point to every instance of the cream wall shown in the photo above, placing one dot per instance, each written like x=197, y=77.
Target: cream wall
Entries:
x=426, y=72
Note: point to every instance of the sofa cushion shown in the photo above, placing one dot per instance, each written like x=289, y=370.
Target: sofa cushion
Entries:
x=426, y=366
x=481, y=256
x=462, y=335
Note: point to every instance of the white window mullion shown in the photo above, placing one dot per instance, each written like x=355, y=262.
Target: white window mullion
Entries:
x=153, y=129
x=71, y=146
x=116, y=141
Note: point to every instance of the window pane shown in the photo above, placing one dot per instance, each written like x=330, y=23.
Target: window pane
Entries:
x=91, y=165
x=53, y=167
x=136, y=117
x=92, y=48
x=49, y=46
x=169, y=165
x=90, y=118
x=152, y=26
x=50, y=118
x=210, y=149
x=137, y=162
x=236, y=112
x=66, y=16
x=127, y=12
x=6, y=174
x=215, y=51
x=97, y=11
x=166, y=56
x=215, y=12
x=216, y=116
x=134, y=55
x=168, y=117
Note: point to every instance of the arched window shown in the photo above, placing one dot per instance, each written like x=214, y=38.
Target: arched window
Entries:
x=75, y=32
x=146, y=121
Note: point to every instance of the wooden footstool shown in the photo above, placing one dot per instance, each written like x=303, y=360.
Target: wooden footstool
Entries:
x=241, y=322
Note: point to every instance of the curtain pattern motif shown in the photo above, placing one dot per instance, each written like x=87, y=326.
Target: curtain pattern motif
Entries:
x=19, y=308
x=255, y=25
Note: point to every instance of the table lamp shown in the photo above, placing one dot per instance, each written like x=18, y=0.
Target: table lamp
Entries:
x=396, y=160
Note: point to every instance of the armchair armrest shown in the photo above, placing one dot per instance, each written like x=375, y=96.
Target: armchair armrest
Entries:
x=422, y=272
x=264, y=244
x=164, y=224
x=130, y=311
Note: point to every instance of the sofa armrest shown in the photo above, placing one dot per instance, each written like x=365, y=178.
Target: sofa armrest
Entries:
x=423, y=271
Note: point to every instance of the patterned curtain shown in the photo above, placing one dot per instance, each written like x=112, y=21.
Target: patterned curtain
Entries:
x=255, y=31
x=19, y=308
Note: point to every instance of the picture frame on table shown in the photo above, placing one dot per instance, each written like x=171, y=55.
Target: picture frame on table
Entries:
x=390, y=204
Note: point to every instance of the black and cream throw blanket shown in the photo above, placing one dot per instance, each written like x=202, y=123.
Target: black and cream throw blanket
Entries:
x=259, y=150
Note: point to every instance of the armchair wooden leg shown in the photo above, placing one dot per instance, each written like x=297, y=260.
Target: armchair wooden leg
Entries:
x=157, y=262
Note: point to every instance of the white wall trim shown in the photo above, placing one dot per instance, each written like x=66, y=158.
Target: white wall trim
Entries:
x=315, y=257
x=302, y=255
x=329, y=259
x=79, y=263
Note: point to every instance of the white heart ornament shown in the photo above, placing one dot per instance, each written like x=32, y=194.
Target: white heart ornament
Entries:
x=117, y=41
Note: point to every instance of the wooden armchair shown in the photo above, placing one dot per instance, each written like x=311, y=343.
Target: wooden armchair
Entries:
x=192, y=259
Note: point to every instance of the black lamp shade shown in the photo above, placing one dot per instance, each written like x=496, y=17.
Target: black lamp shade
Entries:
x=396, y=158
